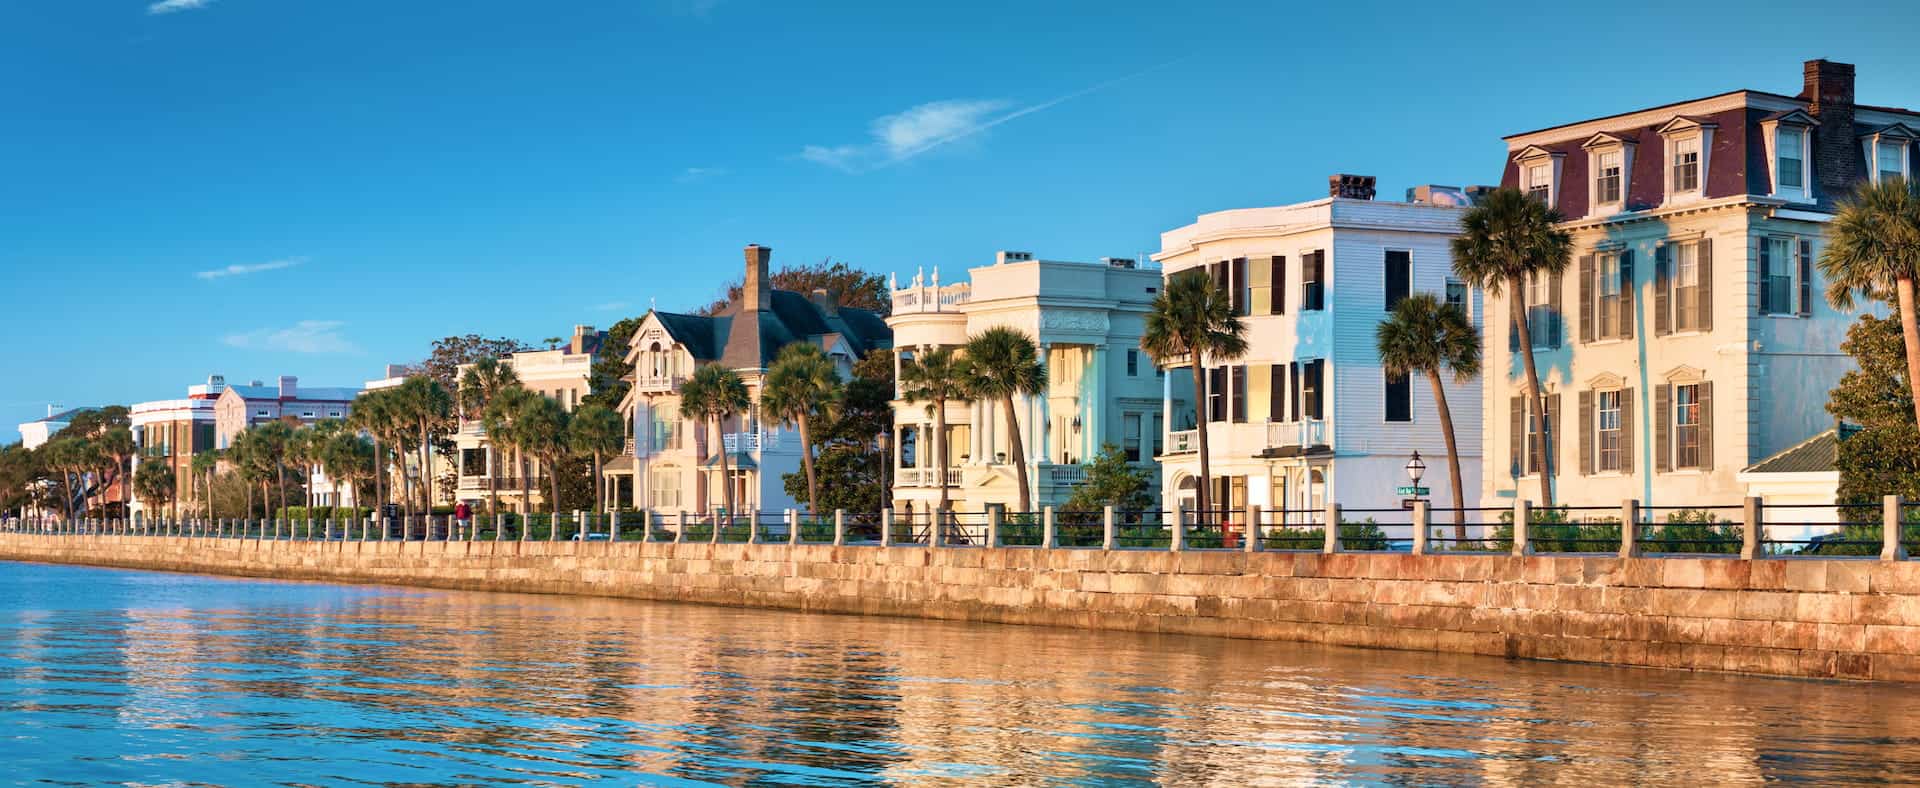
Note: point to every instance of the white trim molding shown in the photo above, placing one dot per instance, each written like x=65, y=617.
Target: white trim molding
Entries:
x=1598, y=147
x=1677, y=133
x=1803, y=123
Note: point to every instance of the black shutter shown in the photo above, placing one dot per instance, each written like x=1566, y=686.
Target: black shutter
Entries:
x=1766, y=276
x=1627, y=289
x=1279, y=285
x=1662, y=418
x=1277, y=393
x=1399, y=276
x=1317, y=380
x=1662, y=290
x=1705, y=293
x=1239, y=285
x=1555, y=320
x=1706, y=424
x=1517, y=438
x=1294, y=372
x=1626, y=431
x=1586, y=433
x=1399, y=398
x=1239, y=389
x=1806, y=278
x=1586, y=298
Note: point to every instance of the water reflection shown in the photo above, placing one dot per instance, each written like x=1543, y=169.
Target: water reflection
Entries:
x=110, y=676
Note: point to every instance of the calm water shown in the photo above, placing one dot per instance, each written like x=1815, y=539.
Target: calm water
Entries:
x=142, y=679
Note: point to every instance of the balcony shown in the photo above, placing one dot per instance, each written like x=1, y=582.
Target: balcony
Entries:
x=751, y=441
x=1297, y=435
x=501, y=483
x=1183, y=442
x=658, y=384
x=1066, y=475
x=924, y=477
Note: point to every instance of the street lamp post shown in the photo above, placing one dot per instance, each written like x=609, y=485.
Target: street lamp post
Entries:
x=1416, y=468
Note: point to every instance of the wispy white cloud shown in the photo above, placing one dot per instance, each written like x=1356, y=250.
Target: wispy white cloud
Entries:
x=175, y=6
x=306, y=336
x=898, y=138
x=696, y=174
x=243, y=269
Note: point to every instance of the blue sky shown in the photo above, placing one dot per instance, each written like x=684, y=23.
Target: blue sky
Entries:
x=318, y=188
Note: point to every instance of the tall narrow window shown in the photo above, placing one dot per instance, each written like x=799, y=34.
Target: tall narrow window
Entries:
x=1891, y=156
x=1399, y=398
x=1777, y=272
x=1238, y=269
x=1456, y=294
x=1686, y=426
x=1399, y=276
x=1313, y=387
x=1686, y=164
x=1133, y=362
x=1313, y=289
x=1238, y=382
x=1607, y=178
x=1606, y=301
x=1159, y=434
x=1686, y=287
x=1607, y=430
x=1217, y=394
x=1260, y=287
x=1540, y=315
x=1540, y=181
x=1789, y=158
x=1130, y=436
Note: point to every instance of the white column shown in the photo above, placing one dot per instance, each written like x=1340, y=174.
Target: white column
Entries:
x=1043, y=418
x=1094, y=403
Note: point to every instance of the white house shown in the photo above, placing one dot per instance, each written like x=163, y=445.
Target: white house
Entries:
x=562, y=374
x=1101, y=389
x=1308, y=413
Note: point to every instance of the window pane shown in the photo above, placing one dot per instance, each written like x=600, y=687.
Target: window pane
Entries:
x=1890, y=159
x=1788, y=141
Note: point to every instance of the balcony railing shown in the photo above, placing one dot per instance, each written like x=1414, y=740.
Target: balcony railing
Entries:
x=751, y=441
x=1063, y=475
x=502, y=483
x=1183, y=441
x=925, y=477
x=658, y=383
x=1302, y=434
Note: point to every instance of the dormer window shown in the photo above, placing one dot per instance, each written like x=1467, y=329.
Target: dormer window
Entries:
x=1610, y=157
x=1539, y=170
x=1790, y=144
x=1540, y=181
x=1688, y=142
x=1888, y=153
x=1789, y=136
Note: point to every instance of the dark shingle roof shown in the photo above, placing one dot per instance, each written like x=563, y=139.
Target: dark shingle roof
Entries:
x=734, y=338
x=1813, y=455
x=703, y=336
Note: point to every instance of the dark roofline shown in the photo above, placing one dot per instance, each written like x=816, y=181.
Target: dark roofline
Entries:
x=1767, y=93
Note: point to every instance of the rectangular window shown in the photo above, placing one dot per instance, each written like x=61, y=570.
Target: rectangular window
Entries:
x=1606, y=300
x=1277, y=393
x=1311, y=388
x=473, y=462
x=1686, y=165
x=1686, y=426
x=1778, y=275
x=1133, y=362
x=1540, y=181
x=1789, y=157
x=1238, y=381
x=1607, y=431
x=666, y=489
x=1540, y=314
x=1159, y=434
x=1534, y=461
x=1399, y=398
x=1399, y=276
x=1892, y=159
x=1217, y=394
x=1686, y=287
x=1313, y=289
x=1607, y=181
x=1456, y=294
x=1130, y=436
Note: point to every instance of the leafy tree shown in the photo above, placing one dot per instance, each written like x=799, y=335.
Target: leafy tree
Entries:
x=713, y=393
x=69, y=459
x=848, y=477
x=205, y=465
x=801, y=387
x=852, y=462
x=154, y=481
x=935, y=377
x=607, y=381
x=1427, y=335
x=540, y=428
x=449, y=354
x=846, y=285
x=268, y=449
x=1873, y=250
x=377, y=413
x=1193, y=321
x=1004, y=363
x=597, y=431
x=1880, y=453
x=19, y=470
x=1504, y=239
x=1112, y=481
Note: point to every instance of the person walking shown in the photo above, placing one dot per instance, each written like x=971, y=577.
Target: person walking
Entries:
x=463, y=514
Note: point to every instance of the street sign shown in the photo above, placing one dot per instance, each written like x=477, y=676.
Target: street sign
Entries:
x=1407, y=503
x=1411, y=491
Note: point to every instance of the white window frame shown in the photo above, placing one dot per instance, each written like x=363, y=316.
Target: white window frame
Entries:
x=1674, y=283
x=1607, y=284
x=1695, y=426
x=1598, y=147
x=1793, y=273
x=1540, y=313
x=1771, y=130
x=1895, y=138
x=1676, y=132
x=1600, y=431
x=1529, y=446
x=1533, y=156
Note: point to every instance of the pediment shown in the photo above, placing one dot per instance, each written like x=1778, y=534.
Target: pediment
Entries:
x=1607, y=139
x=1684, y=374
x=1681, y=124
x=1898, y=131
x=1535, y=152
x=1606, y=380
x=1793, y=117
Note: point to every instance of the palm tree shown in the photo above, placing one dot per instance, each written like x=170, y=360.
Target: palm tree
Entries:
x=1005, y=363
x=72, y=458
x=934, y=377
x=1425, y=334
x=597, y=431
x=271, y=442
x=479, y=385
x=204, y=465
x=540, y=428
x=802, y=385
x=426, y=406
x=713, y=393
x=1193, y=320
x=1873, y=250
x=115, y=448
x=154, y=482
x=501, y=420
x=1504, y=239
x=347, y=458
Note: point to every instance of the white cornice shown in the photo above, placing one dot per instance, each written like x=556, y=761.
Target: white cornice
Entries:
x=1647, y=117
x=1666, y=212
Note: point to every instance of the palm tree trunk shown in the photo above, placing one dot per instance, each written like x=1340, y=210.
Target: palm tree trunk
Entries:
x=940, y=454
x=280, y=476
x=1201, y=495
x=806, y=462
x=379, y=470
x=1910, y=333
x=1017, y=451
x=726, y=477
x=599, y=486
x=493, y=467
x=1453, y=456
x=426, y=464
x=1536, y=399
x=526, y=495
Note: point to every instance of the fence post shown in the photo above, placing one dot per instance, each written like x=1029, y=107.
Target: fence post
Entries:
x=1629, y=528
x=715, y=537
x=1106, y=529
x=839, y=527
x=613, y=527
x=1751, y=512
x=1522, y=517
x=886, y=527
x=993, y=526
x=1891, y=509
x=793, y=527
x=1330, y=528
x=1253, y=544
x=1177, y=538
x=680, y=527
x=1049, y=532
x=753, y=525
x=1421, y=516
x=938, y=537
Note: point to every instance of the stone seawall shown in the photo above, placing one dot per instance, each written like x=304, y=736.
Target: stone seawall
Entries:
x=1792, y=617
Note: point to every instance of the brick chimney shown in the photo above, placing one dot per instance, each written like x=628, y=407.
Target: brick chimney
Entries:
x=1352, y=187
x=757, y=295
x=289, y=387
x=825, y=301
x=583, y=337
x=1836, y=153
